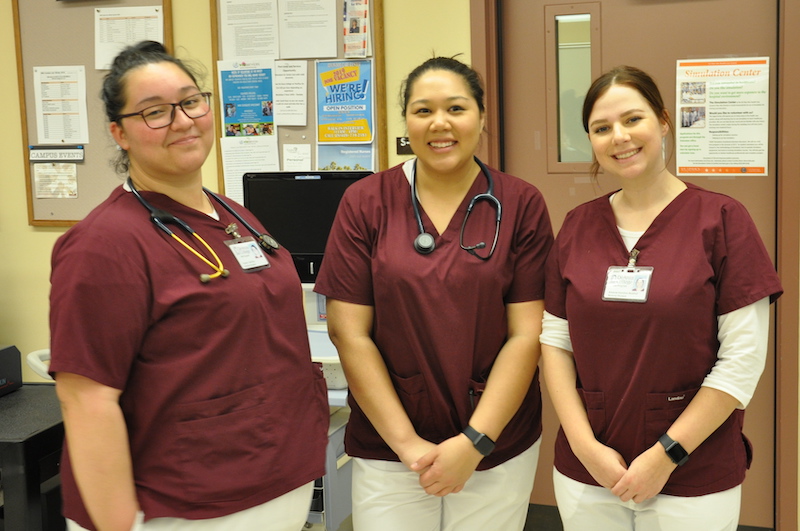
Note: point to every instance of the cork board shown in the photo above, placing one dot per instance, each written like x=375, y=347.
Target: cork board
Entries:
x=53, y=33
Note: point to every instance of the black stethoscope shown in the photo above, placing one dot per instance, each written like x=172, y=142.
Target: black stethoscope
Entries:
x=425, y=243
x=161, y=218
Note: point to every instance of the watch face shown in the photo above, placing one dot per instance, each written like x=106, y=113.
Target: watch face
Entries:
x=674, y=450
x=678, y=454
x=484, y=445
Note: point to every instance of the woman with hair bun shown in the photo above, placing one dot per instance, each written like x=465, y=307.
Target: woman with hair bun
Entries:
x=434, y=274
x=178, y=338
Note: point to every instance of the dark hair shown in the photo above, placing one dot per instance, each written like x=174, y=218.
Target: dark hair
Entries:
x=114, y=84
x=634, y=78
x=449, y=64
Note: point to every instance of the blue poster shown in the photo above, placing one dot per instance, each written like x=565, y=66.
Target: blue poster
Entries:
x=247, y=98
x=344, y=101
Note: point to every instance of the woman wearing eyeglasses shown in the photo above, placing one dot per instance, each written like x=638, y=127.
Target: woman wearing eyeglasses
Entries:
x=434, y=273
x=181, y=357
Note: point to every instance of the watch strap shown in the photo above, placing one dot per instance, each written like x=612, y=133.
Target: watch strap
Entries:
x=674, y=450
x=480, y=441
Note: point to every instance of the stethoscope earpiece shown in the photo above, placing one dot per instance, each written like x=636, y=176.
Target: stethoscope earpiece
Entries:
x=205, y=277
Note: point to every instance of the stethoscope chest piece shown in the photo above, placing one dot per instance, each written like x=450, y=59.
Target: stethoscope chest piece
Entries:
x=268, y=243
x=424, y=243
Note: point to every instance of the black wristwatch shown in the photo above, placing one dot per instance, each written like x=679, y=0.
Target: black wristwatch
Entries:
x=481, y=442
x=674, y=450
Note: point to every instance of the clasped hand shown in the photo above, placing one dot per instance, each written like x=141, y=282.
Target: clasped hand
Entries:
x=445, y=467
x=642, y=480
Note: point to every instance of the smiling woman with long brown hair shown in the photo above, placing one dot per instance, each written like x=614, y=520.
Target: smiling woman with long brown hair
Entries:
x=655, y=332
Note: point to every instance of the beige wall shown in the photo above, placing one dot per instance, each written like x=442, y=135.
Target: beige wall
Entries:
x=25, y=263
x=412, y=36
x=25, y=250
x=25, y=266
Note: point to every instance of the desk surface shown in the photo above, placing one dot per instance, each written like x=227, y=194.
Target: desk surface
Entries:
x=27, y=411
x=34, y=407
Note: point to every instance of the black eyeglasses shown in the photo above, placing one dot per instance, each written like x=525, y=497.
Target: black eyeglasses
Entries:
x=163, y=114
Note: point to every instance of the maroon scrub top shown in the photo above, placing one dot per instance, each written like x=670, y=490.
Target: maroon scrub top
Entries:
x=224, y=408
x=640, y=364
x=440, y=318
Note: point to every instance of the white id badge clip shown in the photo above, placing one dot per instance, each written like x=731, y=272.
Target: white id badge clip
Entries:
x=628, y=283
x=246, y=251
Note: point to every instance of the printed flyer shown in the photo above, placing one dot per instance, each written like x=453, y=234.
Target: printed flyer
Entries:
x=345, y=157
x=247, y=97
x=355, y=22
x=722, y=116
x=344, y=101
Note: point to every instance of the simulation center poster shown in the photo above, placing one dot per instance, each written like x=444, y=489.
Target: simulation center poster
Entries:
x=344, y=101
x=722, y=116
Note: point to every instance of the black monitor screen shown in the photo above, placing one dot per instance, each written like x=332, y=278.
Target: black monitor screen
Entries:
x=297, y=209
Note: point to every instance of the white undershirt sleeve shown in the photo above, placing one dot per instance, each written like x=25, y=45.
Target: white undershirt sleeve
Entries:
x=555, y=332
x=743, y=335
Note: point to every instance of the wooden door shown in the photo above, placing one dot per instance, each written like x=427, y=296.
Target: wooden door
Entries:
x=651, y=36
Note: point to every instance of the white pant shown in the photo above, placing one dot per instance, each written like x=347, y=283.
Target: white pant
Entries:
x=285, y=513
x=585, y=507
x=387, y=496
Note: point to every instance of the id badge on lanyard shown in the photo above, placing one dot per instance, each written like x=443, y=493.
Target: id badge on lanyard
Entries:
x=629, y=283
x=246, y=251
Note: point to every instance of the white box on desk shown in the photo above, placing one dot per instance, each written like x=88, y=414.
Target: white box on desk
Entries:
x=323, y=351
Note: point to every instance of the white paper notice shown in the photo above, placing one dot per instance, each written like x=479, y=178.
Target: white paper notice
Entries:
x=297, y=157
x=290, y=83
x=60, y=93
x=118, y=27
x=246, y=154
x=308, y=28
x=249, y=28
x=55, y=180
x=722, y=116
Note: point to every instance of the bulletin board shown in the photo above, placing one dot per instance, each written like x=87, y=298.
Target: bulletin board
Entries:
x=52, y=33
x=308, y=134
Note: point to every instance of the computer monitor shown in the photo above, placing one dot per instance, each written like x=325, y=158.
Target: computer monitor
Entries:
x=297, y=209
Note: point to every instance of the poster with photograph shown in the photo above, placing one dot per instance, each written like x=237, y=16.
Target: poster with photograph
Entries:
x=344, y=101
x=345, y=157
x=247, y=97
x=722, y=116
x=355, y=25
